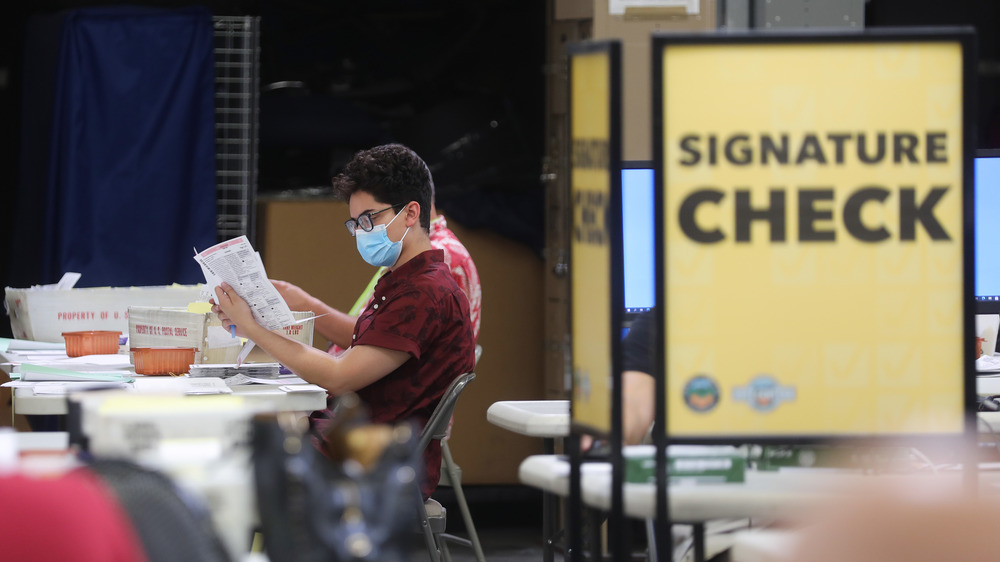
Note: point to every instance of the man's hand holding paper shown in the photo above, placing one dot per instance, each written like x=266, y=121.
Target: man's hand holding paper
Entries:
x=237, y=264
x=244, y=296
x=231, y=308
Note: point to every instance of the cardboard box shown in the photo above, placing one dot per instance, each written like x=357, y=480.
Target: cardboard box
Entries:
x=44, y=314
x=150, y=326
x=574, y=9
x=302, y=332
x=634, y=29
x=176, y=327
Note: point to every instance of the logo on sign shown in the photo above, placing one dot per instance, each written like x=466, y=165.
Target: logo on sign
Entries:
x=701, y=394
x=764, y=393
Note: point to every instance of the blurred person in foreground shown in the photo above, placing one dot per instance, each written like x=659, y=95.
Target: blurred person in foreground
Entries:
x=416, y=335
x=919, y=517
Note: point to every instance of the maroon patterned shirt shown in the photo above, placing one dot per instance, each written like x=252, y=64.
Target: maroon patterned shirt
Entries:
x=417, y=308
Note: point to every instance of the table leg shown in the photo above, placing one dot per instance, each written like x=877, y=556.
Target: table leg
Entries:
x=595, y=521
x=549, y=508
x=698, y=537
x=651, y=540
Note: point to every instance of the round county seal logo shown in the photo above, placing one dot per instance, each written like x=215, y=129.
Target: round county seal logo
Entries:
x=764, y=393
x=701, y=394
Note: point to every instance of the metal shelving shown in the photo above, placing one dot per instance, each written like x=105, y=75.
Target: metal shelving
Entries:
x=237, y=80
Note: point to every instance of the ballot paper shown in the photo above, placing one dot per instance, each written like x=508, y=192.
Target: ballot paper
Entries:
x=235, y=262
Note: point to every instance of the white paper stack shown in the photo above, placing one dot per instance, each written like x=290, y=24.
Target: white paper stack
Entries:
x=226, y=370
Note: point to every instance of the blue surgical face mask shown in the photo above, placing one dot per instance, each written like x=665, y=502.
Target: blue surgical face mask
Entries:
x=375, y=246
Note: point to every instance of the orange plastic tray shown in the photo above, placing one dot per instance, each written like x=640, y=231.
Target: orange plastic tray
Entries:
x=163, y=360
x=92, y=342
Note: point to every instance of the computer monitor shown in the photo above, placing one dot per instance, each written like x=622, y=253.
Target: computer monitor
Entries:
x=987, y=231
x=638, y=236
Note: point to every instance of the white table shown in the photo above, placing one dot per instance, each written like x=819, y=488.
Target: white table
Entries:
x=767, y=495
x=549, y=420
x=763, y=494
x=265, y=397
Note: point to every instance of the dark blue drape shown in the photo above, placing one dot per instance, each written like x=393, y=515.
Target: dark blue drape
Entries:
x=131, y=171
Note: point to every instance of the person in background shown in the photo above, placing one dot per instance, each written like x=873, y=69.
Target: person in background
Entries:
x=416, y=336
x=638, y=384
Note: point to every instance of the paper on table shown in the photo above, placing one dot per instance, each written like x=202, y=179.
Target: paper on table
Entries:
x=301, y=388
x=240, y=378
x=988, y=363
x=27, y=355
x=59, y=388
x=88, y=362
x=7, y=344
x=235, y=262
x=283, y=379
x=30, y=372
x=180, y=385
x=37, y=357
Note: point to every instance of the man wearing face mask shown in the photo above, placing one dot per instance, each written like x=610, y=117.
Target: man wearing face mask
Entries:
x=416, y=334
x=337, y=326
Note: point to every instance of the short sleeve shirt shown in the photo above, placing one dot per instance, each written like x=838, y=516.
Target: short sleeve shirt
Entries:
x=419, y=309
x=463, y=270
x=639, y=344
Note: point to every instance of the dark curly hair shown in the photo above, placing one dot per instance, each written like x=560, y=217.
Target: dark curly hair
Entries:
x=393, y=174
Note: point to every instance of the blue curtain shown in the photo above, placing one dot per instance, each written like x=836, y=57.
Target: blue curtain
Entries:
x=130, y=187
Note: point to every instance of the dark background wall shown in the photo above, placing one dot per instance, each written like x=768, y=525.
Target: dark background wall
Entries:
x=461, y=82
x=984, y=15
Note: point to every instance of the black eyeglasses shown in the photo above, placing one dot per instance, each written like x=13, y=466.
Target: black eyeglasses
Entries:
x=364, y=220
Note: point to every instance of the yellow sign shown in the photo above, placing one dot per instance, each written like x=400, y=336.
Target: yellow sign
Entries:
x=814, y=238
x=590, y=244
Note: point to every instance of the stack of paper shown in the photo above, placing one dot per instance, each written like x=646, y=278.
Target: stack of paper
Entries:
x=34, y=373
x=988, y=364
x=221, y=370
x=7, y=344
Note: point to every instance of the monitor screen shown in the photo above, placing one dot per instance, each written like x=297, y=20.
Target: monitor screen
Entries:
x=637, y=236
x=987, y=230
